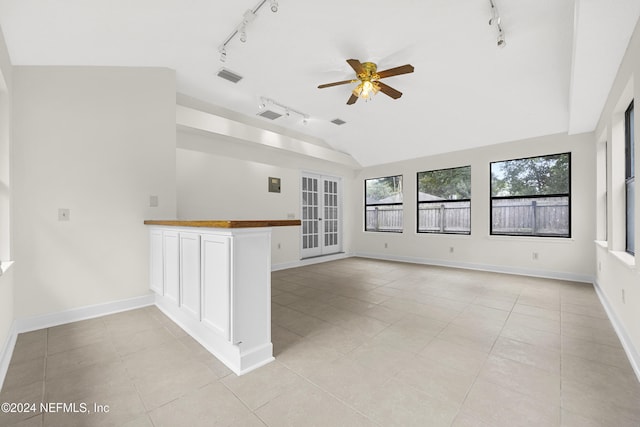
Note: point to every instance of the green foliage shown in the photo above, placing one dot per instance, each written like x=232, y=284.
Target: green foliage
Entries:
x=531, y=177
x=449, y=184
x=381, y=188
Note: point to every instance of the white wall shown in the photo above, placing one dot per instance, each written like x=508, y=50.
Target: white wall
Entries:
x=557, y=257
x=618, y=271
x=221, y=178
x=98, y=141
x=6, y=281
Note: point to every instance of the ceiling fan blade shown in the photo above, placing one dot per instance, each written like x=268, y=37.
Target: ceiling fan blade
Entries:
x=356, y=65
x=403, y=69
x=344, y=82
x=389, y=91
x=352, y=100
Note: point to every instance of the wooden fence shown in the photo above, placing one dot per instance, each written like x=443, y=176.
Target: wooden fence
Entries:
x=451, y=217
x=548, y=216
x=384, y=218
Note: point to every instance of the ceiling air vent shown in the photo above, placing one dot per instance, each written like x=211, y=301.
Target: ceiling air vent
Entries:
x=229, y=75
x=338, y=122
x=268, y=114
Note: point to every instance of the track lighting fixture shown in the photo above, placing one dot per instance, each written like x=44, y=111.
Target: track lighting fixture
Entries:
x=285, y=110
x=495, y=19
x=241, y=29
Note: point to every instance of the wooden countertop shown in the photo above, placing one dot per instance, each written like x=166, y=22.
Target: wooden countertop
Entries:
x=227, y=223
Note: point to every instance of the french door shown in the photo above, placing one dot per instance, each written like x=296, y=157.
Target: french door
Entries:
x=321, y=215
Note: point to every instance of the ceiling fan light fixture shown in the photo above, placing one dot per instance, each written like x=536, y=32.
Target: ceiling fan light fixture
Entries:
x=366, y=89
x=369, y=77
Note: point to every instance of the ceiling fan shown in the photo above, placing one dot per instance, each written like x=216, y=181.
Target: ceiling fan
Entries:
x=369, y=77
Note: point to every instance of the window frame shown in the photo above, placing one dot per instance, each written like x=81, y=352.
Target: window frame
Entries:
x=367, y=205
x=441, y=202
x=567, y=195
x=629, y=176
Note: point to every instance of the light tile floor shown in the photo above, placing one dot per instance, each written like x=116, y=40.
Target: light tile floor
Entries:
x=357, y=342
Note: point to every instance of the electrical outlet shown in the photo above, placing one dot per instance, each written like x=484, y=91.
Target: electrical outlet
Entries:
x=451, y=249
x=64, y=214
x=599, y=265
x=623, y=300
x=386, y=246
x=535, y=256
x=291, y=216
x=153, y=201
x=279, y=246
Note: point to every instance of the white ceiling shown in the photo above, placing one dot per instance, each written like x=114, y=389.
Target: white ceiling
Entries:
x=553, y=76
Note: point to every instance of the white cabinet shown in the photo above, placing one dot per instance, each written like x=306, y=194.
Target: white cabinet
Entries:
x=215, y=283
x=216, y=274
x=171, y=266
x=190, y=294
x=156, y=273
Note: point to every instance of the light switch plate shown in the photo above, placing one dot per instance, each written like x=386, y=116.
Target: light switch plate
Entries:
x=153, y=201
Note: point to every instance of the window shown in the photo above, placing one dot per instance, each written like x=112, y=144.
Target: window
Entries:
x=383, y=200
x=444, y=201
x=531, y=196
x=630, y=177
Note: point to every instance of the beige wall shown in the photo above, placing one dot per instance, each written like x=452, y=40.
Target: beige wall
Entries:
x=220, y=178
x=619, y=272
x=557, y=257
x=98, y=141
x=6, y=281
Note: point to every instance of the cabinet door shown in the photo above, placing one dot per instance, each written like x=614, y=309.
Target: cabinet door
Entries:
x=190, y=273
x=171, y=266
x=156, y=273
x=216, y=276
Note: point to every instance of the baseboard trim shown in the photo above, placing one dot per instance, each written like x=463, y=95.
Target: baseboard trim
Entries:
x=309, y=261
x=625, y=340
x=35, y=323
x=481, y=267
x=7, y=352
x=82, y=313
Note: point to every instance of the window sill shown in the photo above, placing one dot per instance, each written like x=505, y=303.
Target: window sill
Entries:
x=5, y=266
x=602, y=243
x=455, y=235
x=563, y=240
x=626, y=259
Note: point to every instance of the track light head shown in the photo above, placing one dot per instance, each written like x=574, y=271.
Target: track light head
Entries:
x=223, y=54
x=243, y=34
x=274, y=6
x=501, y=40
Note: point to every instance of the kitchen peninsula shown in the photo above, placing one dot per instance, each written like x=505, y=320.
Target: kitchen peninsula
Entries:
x=213, y=278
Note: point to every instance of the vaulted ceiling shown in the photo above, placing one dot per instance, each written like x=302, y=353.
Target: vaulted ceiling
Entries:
x=553, y=76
